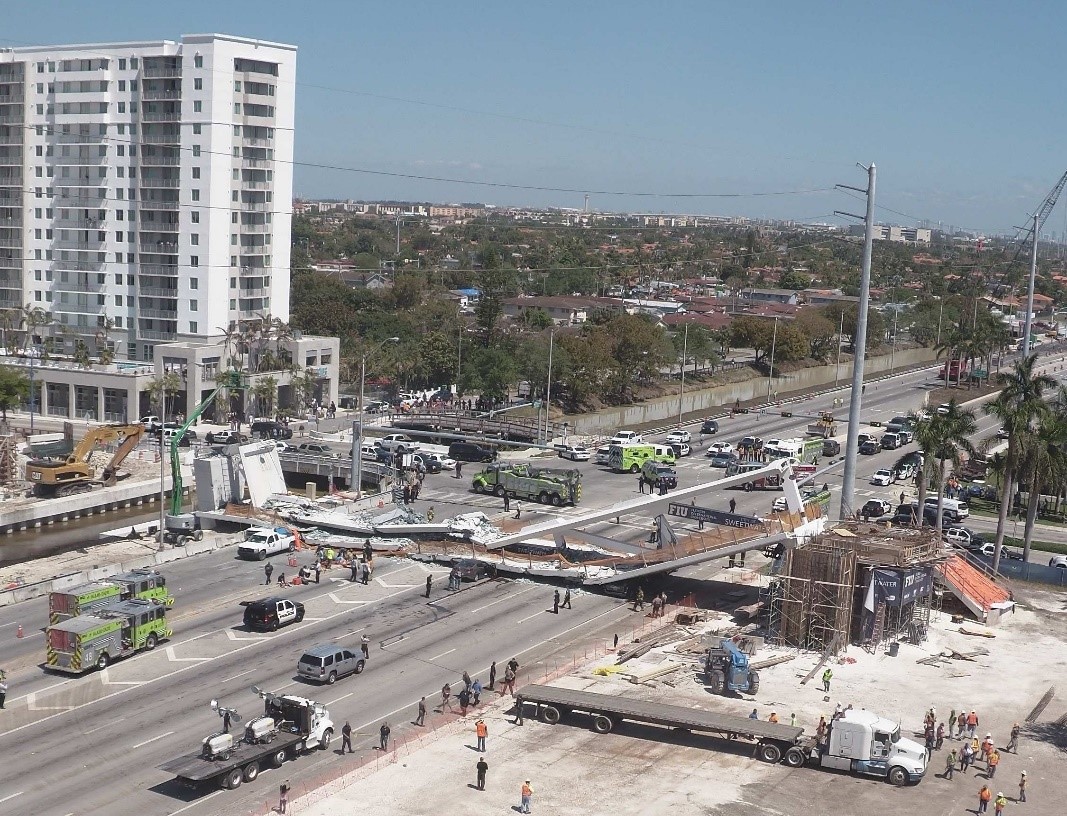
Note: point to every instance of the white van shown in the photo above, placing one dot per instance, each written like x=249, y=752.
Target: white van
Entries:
x=954, y=509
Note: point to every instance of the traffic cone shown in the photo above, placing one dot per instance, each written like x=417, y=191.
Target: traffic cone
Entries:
x=18, y=632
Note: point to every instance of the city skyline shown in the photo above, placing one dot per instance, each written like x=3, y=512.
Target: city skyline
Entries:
x=703, y=108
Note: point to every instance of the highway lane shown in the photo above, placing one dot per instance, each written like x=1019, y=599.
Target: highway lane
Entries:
x=101, y=756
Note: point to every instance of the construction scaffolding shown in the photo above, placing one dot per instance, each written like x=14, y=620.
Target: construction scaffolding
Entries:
x=824, y=598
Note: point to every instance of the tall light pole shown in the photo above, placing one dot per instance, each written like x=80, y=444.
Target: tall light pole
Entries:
x=1030, y=294
x=681, y=388
x=837, y=369
x=548, y=389
x=770, y=371
x=357, y=424
x=848, y=479
x=940, y=314
x=162, y=463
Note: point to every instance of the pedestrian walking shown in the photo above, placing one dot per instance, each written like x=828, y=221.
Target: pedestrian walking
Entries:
x=3, y=687
x=951, y=722
x=420, y=718
x=354, y=567
x=446, y=696
x=492, y=675
x=518, y=709
x=346, y=738
x=827, y=676
x=527, y=795
x=518, y=510
x=1022, y=787
x=507, y=502
x=641, y=485
x=566, y=599
x=639, y=600
x=939, y=737
x=972, y=725
x=268, y=570
x=464, y=700
x=476, y=691
x=793, y=720
x=1013, y=742
x=317, y=568
x=429, y=584
x=481, y=768
x=991, y=763
x=961, y=723
x=481, y=730
x=467, y=681
x=733, y=505
x=509, y=682
x=366, y=572
x=966, y=756
x=453, y=579
x=383, y=736
x=459, y=470
x=984, y=795
x=820, y=730
x=555, y=602
x=987, y=747
x=513, y=664
x=950, y=764
x=999, y=804
x=364, y=645
x=283, y=796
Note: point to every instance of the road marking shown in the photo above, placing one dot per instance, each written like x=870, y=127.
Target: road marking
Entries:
x=234, y=636
x=146, y=742
x=505, y=598
x=287, y=685
x=98, y=728
x=191, y=805
x=349, y=634
x=436, y=657
x=12, y=796
x=173, y=658
x=531, y=617
x=392, y=586
x=242, y=674
x=105, y=678
x=339, y=699
x=5, y=625
x=335, y=599
x=31, y=704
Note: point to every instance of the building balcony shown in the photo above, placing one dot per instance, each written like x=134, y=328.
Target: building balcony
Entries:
x=81, y=160
x=160, y=183
x=161, y=138
x=92, y=201
x=10, y=243
x=92, y=243
x=256, y=206
x=150, y=160
x=68, y=307
x=164, y=270
x=11, y=140
x=158, y=291
x=159, y=314
x=248, y=184
x=159, y=248
x=155, y=95
x=258, y=141
x=8, y=200
x=257, y=229
x=247, y=292
x=158, y=71
x=78, y=182
x=11, y=159
x=150, y=204
x=162, y=116
x=12, y=95
x=156, y=334
x=10, y=298
x=11, y=222
x=11, y=179
x=78, y=266
x=12, y=118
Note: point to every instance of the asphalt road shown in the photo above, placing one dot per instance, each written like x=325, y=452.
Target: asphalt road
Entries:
x=91, y=744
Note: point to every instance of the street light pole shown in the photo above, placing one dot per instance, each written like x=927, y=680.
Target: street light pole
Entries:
x=162, y=465
x=357, y=424
x=33, y=390
x=770, y=372
x=837, y=369
x=548, y=390
x=681, y=388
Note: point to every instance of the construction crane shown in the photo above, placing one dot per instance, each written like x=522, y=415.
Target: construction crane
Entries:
x=1042, y=214
x=177, y=524
x=74, y=474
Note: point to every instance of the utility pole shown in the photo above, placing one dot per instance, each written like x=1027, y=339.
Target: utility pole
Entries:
x=1030, y=293
x=681, y=388
x=848, y=480
x=837, y=369
x=548, y=389
x=770, y=371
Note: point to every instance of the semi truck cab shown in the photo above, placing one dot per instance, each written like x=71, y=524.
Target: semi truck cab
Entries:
x=861, y=742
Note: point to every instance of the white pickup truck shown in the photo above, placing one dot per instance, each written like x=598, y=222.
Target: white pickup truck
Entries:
x=262, y=541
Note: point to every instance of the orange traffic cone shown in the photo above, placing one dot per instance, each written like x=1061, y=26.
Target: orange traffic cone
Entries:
x=18, y=632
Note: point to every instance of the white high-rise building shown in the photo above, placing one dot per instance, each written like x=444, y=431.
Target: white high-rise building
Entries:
x=146, y=188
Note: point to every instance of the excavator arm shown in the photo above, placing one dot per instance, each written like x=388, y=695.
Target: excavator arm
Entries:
x=133, y=437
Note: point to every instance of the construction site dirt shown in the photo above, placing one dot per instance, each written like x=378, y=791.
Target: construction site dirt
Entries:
x=1005, y=676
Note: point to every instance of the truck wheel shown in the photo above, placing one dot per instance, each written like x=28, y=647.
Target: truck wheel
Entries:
x=279, y=758
x=359, y=667
x=498, y=491
x=274, y=625
x=769, y=752
x=327, y=738
x=331, y=679
x=251, y=771
x=233, y=779
x=717, y=682
x=634, y=469
x=897, y=776
x=183, y=540
x=260, y=556
x=557, y=500
x=150, y=641
x=102, y=661
x=198, y=535
x=550, y=714
x=753, y=682
x=602, y=724
x=542, y=498
x=794, y=757
x=748, y=487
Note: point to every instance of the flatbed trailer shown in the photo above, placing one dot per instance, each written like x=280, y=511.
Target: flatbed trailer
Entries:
x=773, y=740
x=242, y=765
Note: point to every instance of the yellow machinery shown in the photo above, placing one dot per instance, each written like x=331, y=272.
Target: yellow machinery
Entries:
x=64, y=477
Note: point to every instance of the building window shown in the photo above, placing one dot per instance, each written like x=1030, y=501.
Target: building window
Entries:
x=192, y=327
x=197, y=106
x=194, y=239
x=196, y=172
x=237, y=85
x=133, y=63
x=196, y=195
x=122, y=63
x=194, y=260
x=195, y=216
x=192, y=306
x=118, y=300
x=198, y=84
x=198, y=61
x=196, y=128
x=196, y=150
x=194, y=283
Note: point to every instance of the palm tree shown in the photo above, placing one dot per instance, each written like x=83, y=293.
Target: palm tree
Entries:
x=31, y=317
x=1018, y=406
x=1042, y=463
x=952, y=431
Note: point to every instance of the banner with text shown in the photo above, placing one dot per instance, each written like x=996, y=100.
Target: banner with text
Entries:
x=709, y=516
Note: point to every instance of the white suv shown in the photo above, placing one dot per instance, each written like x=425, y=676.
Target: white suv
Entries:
x=626, y=438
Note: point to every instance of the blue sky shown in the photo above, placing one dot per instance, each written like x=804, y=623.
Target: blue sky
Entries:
x=959, y=104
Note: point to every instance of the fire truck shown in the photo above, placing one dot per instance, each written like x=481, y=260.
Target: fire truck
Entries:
x=85, y=598
x=119, y=630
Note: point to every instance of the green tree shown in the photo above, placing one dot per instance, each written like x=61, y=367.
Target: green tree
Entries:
x=1019, y=406
x=791, y=279
x=1043, y=462
x=952, y=432
x=14, y=388
x=876, y=324
x=820, y=332
x=162, y=389
x=265, y=393
x=755, y=333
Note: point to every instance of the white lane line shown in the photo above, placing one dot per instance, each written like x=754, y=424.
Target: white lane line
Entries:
x=242, y=674
x=349, y=634
x=173, y=658
x=146, y=742
x=199, y=801
x=98, y=728
x=531, y=617
x=505, y=598
x=339, y=699
x=234, y=636
x=12, y=796
x=287, y=685
x=436, y=657
x=5, y=625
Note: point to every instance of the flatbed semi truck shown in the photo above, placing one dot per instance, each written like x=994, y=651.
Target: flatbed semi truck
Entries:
x=859, y=742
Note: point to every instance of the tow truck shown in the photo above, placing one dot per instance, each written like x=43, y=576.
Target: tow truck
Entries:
x=55, y=478
x=290, y=726
x=531, y=483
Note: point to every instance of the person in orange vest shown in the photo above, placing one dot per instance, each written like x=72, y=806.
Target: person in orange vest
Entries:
x=773, y=718
x=987, y=746
x=482, y=731
x=527, y=795
x=972, y=724
x=984, y=795
x=991, y=763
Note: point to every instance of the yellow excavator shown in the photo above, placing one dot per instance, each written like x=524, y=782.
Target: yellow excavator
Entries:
x=52, y=478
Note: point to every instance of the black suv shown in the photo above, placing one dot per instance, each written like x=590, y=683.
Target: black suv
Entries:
x=470, y=452
x=269, y=429
x=709, y=426
x=270, y=613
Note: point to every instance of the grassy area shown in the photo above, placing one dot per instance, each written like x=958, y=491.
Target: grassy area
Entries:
x=1041, y=546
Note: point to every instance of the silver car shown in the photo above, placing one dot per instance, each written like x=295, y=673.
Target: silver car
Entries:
x=325, y=663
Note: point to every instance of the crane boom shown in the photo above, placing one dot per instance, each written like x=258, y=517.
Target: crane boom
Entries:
x=1042, y=213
